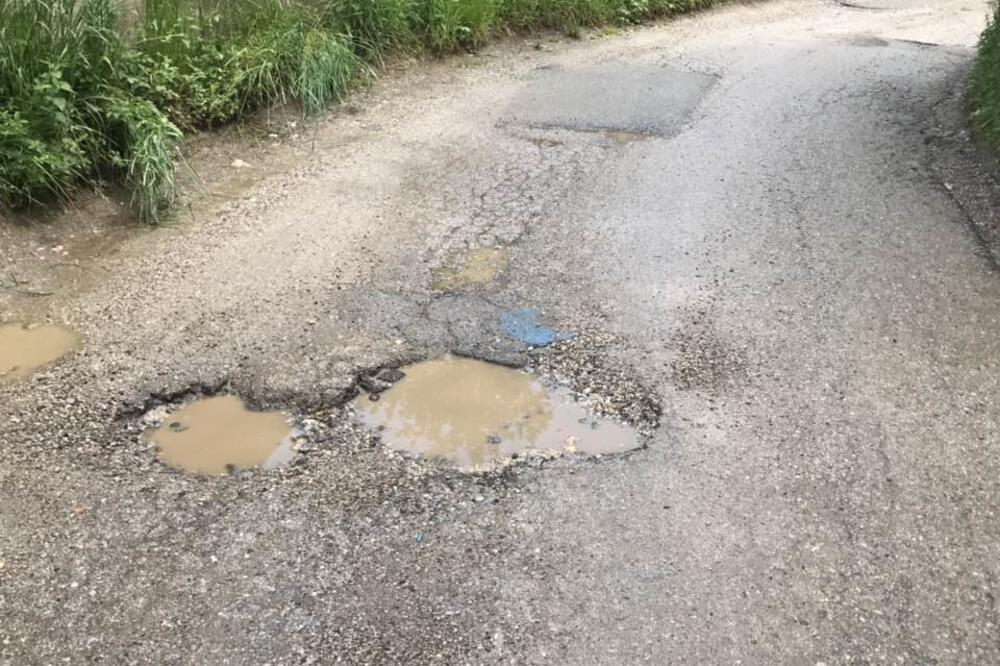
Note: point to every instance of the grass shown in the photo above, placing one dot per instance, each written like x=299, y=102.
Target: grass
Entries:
x=91, y=92
x=985, y=86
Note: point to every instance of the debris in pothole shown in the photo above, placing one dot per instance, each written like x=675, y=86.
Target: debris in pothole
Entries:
x=24, y=349
x=525, y=325
x=213, y=435
x=471, y=267
x=586, y=363
x=476, y=413
x=381, y=380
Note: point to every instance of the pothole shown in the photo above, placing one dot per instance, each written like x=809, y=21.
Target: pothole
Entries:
x=471, y=267
x=24, y=349
x=214, y=435
x=476, y=413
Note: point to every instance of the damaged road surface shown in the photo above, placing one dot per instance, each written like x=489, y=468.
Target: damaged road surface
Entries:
x=732, y=236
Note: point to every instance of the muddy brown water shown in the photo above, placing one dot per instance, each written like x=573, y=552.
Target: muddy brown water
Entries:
x=475, y=413
x=471, y=267
x=212, y=435
x=624, y=138
x=24, y=349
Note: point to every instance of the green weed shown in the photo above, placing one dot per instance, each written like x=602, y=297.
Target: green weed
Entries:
x=985, y=84
x=377, y=28
x=327, y=67
x=451, y=24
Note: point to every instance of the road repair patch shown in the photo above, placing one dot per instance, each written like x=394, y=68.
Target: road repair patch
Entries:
x=639, y=100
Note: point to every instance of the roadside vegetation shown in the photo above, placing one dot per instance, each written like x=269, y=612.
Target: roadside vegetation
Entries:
x=96, y=91
x=986, y=78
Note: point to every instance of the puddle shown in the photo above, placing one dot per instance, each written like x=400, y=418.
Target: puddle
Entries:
x=542, y=142
x=471, y=267
x=623, y=138
x=23, y=350
x=211, y=435
x=473, y=412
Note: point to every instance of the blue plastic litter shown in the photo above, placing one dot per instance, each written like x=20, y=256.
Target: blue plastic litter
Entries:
x=524, y=325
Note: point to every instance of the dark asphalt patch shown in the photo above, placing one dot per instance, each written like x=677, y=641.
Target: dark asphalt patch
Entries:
x=645, y=100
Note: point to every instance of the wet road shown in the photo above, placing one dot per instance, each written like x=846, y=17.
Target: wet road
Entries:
x=747, y=217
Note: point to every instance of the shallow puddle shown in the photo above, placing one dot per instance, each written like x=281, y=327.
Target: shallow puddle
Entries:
x=475, y=412
x=623, y=138
x=542, y=142
x=471, y=267
x=212, y=435
x=23, y=350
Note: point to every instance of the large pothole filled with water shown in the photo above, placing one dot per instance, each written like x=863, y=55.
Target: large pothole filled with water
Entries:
x=477, y=413
x=213, y=436
x=24, y=349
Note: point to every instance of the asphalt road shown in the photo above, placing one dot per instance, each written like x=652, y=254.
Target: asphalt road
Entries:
x=750, y=219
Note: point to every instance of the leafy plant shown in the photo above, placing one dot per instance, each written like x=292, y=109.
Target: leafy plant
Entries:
x=985, y=81
x=140, y=141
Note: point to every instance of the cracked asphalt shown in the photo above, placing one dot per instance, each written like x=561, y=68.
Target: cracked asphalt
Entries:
x=771, y=230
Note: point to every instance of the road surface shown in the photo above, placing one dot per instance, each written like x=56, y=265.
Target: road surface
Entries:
x=750, y=218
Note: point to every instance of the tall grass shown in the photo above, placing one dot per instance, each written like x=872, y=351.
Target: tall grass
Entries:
x=376, y=28
x=67, y=111
x=46, y=47
x=86, y=94
x=986, y=78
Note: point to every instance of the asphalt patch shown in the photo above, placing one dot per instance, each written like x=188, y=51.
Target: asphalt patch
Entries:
x=611, y=97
